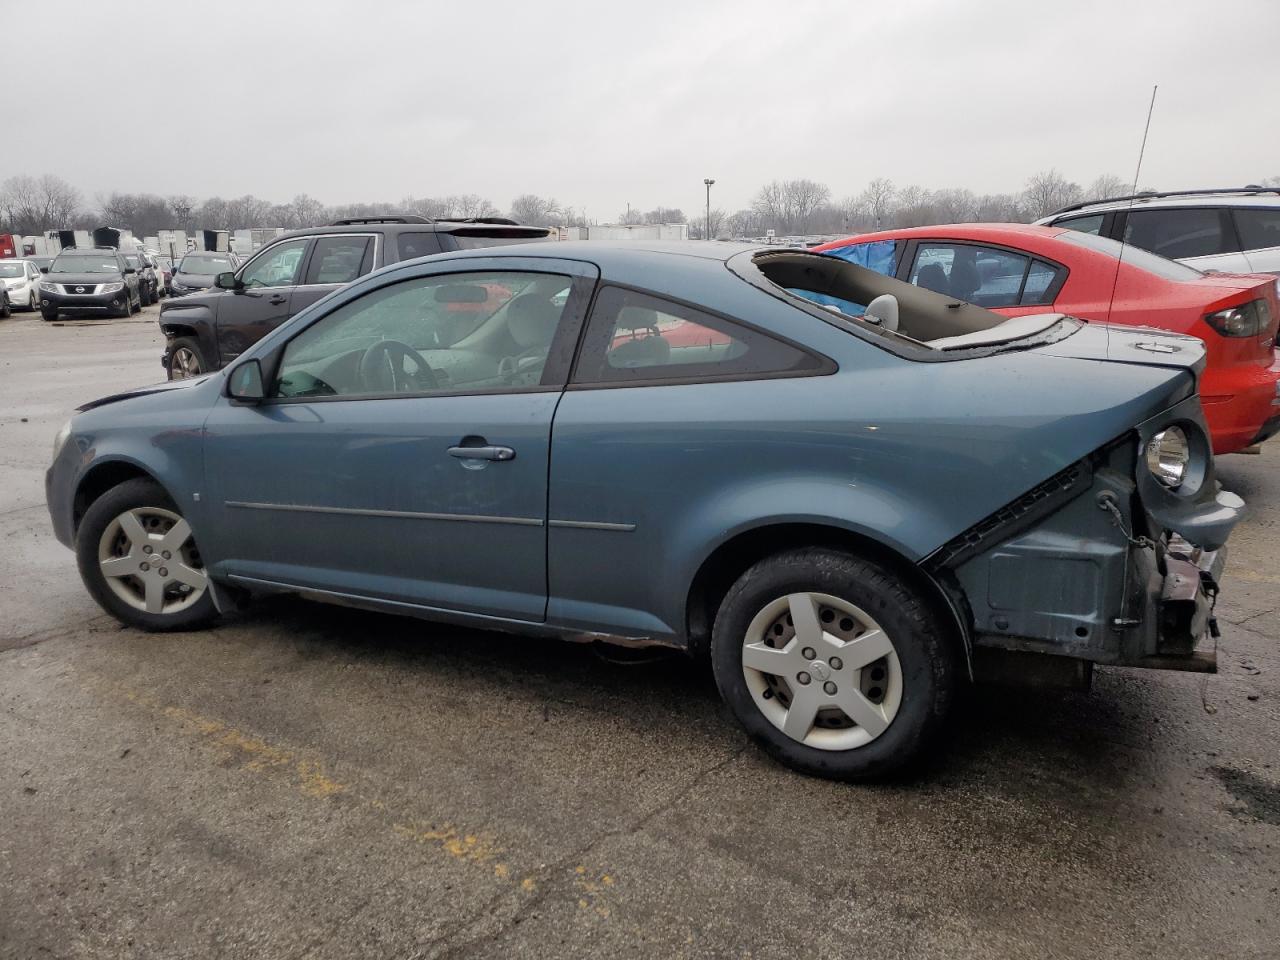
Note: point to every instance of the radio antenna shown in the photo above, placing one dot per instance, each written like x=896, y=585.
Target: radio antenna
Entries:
x=1115, y=281
x=1143, y=148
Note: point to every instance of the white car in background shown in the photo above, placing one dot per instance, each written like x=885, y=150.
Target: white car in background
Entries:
x=1234, y=230
x=20, y=278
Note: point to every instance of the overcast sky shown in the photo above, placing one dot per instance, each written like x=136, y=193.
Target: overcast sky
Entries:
x=608, y=103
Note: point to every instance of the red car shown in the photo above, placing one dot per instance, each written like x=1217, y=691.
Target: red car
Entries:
x=1020, y=269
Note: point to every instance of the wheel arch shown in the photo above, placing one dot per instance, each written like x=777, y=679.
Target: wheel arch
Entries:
x=731, y=558
x=104, y=476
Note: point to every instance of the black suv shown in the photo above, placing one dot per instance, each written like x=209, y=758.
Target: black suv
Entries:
x=94, y=281
x=206, y=331
x=149, y=283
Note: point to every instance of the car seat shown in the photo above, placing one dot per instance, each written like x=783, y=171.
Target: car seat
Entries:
x=933, y=277
x=965, y=278
x=648, y=350
x=531, y=321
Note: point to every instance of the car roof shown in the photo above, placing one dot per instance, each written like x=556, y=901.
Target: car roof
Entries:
x=606, y=253
x=953, y=231
x=420, y=225
x=1245, y=197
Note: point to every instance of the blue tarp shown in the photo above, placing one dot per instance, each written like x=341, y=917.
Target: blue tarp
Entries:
x=878, y=255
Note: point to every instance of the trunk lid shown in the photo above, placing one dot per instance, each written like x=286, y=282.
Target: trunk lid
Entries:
x=1148, y=346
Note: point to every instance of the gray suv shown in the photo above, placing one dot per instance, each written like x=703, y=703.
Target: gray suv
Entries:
x=205, y=331
x=1234, y=229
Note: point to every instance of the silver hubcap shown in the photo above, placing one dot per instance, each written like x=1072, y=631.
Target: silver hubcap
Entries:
x=150, y=561
x=822, y=671
x=184, y=364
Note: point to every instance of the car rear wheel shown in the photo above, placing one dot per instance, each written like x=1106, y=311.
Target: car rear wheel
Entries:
x=185, y=359
x=834, y=665
x=139, y=560
x=5, y=309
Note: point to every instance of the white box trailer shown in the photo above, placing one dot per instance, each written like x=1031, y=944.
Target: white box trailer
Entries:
x=71, y=238
x=638, y=231
x=41, y=246
x=215, y=241
x=247, y=242
x=172, y=244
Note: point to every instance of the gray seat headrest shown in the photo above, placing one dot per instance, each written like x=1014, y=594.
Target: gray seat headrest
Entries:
x=884, y=311
x=532, y=320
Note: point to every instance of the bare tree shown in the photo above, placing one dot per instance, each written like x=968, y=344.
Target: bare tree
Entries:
x=473, y=205
x=34, y=204
x=532, y=209
x=664, y=215
x=1000, y=208
x=955, y=205
x=183, y=208
x=698, y=225
x=1108, y=185
x=1048, y=191
x=876, y=200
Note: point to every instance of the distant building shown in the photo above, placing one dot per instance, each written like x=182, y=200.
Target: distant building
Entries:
x=638, y=231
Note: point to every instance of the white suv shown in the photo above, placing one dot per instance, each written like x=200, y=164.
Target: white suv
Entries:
x=1233, y=230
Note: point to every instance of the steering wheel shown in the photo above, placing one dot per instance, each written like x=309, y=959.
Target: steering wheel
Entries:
x=382, y=369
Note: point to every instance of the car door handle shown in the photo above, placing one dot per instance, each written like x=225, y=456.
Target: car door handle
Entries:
x=277, y=299
x=482, y=453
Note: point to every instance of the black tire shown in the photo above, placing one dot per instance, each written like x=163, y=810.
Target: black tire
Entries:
x=924, y=646
x=49, y=313
x=127, y=310
x=6, y=310
x=144, y=297
x=33, y=304
x=197, y=365
x=131, y=495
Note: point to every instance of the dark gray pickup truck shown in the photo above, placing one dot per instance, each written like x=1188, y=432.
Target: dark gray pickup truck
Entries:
x=205, y=331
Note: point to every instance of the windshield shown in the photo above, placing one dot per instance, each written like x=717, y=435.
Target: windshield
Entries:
x=204, y=266
x=12, y=269
x=85, y=264
x=133, y=262
x=1134, y=256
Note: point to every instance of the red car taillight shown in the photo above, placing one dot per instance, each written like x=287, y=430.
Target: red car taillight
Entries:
x=1247, y=320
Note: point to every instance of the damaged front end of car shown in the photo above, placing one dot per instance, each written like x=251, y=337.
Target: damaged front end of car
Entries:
x=1115, y=560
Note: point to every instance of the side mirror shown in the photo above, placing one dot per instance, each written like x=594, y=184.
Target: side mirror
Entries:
x=44, y=269
x=245, y=383
x=130, y=270
x=226, y=281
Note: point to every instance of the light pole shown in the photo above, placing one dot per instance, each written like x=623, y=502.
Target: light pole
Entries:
x=707, y=235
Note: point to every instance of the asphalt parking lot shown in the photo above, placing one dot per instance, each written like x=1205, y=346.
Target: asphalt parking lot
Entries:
x=306, y=781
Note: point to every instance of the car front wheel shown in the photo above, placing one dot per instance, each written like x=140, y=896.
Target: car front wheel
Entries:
x=49, y=313
x=185, y=359
x=834, y=665
x=139, y=560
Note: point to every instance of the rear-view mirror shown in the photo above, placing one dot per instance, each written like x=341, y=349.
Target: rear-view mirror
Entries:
x=245, y=383
x=226, y=281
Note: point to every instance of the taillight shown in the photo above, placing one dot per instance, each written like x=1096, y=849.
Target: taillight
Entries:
x=1247, y=320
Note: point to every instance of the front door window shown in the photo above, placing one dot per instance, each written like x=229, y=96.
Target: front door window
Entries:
x=276, y=267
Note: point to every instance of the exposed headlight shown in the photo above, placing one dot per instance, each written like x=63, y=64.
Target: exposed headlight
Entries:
x=61, y=439
x=1168, y=455
x=48, y=286
x=111, y=288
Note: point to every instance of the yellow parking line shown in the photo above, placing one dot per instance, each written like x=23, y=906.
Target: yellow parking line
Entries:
x=311, y=778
